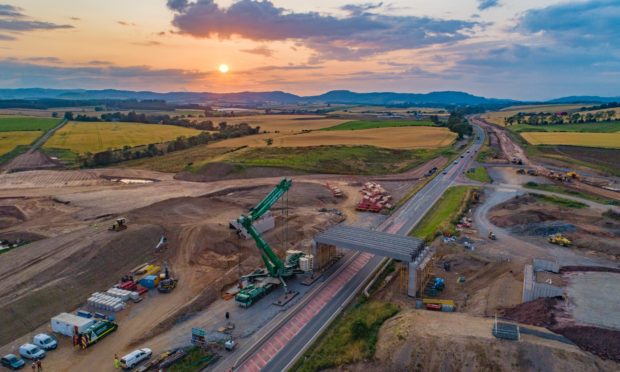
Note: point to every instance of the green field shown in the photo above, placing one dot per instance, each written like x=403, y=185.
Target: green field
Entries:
x=351, y=338
x=566, y=191
x=442, y=217
x=562, y=202
x=82, y=137
x=10, y=140
x=174, y=162
x=370, y=124
x=335, y=159
x=603, y=127
x=13, y=124
x=480, y=174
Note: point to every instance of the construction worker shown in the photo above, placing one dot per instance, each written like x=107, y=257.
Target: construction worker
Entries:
x=39, y=366
x=33, y=366
x=117, y=363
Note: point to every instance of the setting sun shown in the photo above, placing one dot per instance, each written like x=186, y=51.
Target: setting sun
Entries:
x=223, y=68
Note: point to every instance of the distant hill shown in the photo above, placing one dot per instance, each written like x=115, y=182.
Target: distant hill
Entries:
x=444, y=98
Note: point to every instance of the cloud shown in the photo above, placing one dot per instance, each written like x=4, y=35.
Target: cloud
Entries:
x=7, y=37
x=486, y=4
x=44, y=59
x=123, y=23
x=21, y=26
x=10, y=11
x=590, y=23
x=96, y=62
x=75, y=18
x=21, y=73
x=358, y=9
x=360, y=33
x=261, y=50
x=147, y=43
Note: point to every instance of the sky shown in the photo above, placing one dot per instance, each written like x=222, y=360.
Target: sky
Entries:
x=519, y=49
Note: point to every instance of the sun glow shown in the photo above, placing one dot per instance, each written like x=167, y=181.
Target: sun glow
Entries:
x=223, y=68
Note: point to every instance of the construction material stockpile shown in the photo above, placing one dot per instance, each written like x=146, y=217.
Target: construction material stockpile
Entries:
x=374, y=198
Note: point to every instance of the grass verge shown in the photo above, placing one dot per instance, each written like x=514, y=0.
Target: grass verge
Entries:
x=351, y=338
x=562, y=202
x=566, y=191
x=479, y=174
x=370, y=124
x=336, y=159
x=444, y=215
x=189, y=159
x=67, y=157
x=18, y=150
x=195, y=360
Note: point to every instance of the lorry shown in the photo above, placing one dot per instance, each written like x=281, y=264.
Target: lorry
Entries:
x=96, y=332
x=252, y=293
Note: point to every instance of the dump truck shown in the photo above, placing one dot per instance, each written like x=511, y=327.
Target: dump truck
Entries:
x=252, y=293
x=119, y=225
x=559, y=239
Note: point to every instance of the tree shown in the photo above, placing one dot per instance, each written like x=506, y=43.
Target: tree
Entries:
x=269, y=141
x=69, y=115
x=54, y=114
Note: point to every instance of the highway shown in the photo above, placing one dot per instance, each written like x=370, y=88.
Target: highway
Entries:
x=284, y=346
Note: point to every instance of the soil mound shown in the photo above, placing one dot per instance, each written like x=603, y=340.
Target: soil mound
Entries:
x=10, y=216
x=522, y=218
x=224, y=171
x=540, y=312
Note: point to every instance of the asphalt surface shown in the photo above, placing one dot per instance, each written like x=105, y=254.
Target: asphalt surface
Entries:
x=401, y=222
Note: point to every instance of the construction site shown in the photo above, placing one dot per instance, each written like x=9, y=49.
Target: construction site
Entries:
x=115, y=259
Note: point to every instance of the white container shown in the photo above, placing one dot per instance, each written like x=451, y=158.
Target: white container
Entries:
x=65, y=323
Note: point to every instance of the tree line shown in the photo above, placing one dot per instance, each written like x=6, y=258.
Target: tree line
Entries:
x=112, y=156
x=545, y=118
x=142, y=118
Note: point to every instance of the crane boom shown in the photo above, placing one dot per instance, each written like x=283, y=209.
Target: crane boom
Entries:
x=274, y=265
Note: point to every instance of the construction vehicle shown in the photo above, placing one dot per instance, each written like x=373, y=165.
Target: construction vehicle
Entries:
x=520, y=171
x=434, y=286
x=274, y=266
x=96, y=332
x=532, y=172
x=166, y=282
x=559, y=239
x=492, y=235
x=119, y=225
x=517, y=161
x=573, y=175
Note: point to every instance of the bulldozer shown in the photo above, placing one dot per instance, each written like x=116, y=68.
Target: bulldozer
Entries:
x=492, y=235
x=119, y=225
x=559, y=239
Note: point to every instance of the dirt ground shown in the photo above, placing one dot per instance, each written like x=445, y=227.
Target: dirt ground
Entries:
x=587, y=229
x=416, y=340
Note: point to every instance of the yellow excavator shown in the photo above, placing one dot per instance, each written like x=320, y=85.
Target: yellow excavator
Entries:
x=559, y=239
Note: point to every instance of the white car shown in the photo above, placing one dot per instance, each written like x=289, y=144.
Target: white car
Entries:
x=45, y=341
x=135, y=357
x=32, y=352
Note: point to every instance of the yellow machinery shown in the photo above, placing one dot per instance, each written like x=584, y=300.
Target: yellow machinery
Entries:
x=119, y=225
x=573, y=175
x=559, y=239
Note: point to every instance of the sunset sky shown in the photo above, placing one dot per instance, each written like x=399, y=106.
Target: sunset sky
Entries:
x=526, y=49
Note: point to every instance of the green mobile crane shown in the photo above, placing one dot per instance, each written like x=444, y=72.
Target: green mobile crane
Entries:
x=274, y=266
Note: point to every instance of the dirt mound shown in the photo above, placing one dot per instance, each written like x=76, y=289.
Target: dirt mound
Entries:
x=31, y=161
x=10, y=216
x=602, y=342
x=224, y=171
x=540, y=312
x=567, y=269
x=422, y=340
x=525, y=217
x=543, y=228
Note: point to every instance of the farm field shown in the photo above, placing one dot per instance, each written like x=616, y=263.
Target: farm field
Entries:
x=605, y=140
x=370, y=124
x=497, y=117
x=14, y=124
x=281, y=123
x=179, y=160
x=607, y=160
x=10, y=140
x=601, y=127
x=94, y=137
x=393, y=138
x=334, y=159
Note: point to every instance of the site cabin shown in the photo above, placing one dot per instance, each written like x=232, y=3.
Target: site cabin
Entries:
x=66, y=323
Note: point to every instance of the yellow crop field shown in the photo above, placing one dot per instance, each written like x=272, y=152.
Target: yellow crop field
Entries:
x=281, y=123
x=607, y=140
x=393, y=138
x=84, y=137
x=10, y=140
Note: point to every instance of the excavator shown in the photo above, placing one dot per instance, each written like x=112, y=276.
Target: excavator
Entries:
x=559, y=239
x=274, y=266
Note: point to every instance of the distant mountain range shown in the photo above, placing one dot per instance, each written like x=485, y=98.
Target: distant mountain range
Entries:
x=256, y=98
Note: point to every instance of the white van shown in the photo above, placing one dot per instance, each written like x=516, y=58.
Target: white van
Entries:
x=135, y=357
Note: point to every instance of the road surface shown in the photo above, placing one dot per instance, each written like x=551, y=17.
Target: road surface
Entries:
x=286, y=344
